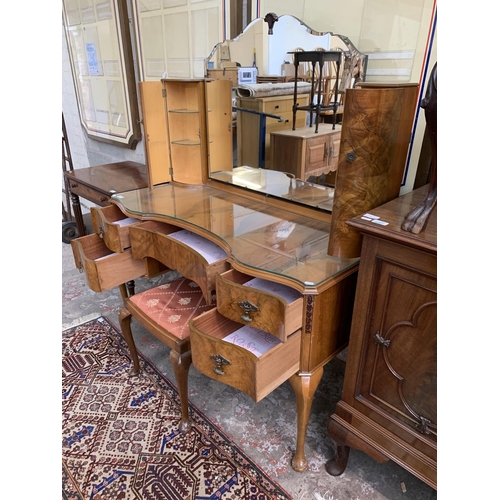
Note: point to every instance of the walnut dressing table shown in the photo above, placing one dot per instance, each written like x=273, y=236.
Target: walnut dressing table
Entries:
x=266, y=242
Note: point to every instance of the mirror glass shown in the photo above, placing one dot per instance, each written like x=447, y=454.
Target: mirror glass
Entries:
x=260, y=64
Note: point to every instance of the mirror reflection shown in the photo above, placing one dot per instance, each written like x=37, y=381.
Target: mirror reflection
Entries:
x=287, y=156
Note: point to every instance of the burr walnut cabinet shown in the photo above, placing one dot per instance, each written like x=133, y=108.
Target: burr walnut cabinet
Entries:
x=388, y=406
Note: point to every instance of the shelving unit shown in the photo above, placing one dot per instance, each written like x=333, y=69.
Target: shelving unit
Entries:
x=188, y=129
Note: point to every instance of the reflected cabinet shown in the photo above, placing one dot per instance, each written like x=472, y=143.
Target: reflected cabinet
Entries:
x=188, y=129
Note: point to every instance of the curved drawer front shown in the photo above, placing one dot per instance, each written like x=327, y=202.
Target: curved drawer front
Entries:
x=103, y=268
x=262, y=304
x=191, y=255
x=216, y=348
x=112, y=226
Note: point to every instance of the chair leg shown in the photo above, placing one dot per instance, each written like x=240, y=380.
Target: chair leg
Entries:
x=181, y=364
x=124, y=318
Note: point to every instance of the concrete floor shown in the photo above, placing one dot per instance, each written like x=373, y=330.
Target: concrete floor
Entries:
x=265, y=431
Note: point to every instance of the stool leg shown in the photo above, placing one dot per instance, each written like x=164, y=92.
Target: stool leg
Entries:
x=181, y=364
x=124, y=318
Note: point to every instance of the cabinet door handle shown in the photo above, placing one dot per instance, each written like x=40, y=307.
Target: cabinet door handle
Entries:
x=219, y=361
x=247, y=307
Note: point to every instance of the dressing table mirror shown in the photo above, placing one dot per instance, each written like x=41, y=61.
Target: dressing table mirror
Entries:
x=263, y=54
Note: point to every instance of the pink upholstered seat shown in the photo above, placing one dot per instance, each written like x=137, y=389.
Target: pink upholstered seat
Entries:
x=172, y=305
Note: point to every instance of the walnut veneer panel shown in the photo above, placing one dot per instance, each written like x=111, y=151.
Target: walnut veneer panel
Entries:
x=103, y=268
x=268, y=311
x=106, y=223
x=152, y=239
x=374, y=144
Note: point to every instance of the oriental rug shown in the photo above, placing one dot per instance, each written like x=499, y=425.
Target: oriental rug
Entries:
x=120, y=437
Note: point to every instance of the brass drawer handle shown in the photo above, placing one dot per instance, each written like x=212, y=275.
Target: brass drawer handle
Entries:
x=219, y=360
x=248, y=307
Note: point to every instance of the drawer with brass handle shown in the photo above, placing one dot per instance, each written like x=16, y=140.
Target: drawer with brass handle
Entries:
x=274, y=308
x=248, y=359
x=112, y=225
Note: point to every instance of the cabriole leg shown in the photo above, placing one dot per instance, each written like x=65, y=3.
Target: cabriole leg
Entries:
x=304, y=387
x=124, y=318
x=181, y=364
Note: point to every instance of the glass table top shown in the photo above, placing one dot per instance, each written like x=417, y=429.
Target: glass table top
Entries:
x=279, y=185
x=290, y=248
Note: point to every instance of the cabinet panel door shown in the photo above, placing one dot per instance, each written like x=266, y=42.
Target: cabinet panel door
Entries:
x=398, y=374
x=317, y=152
x=155, y=132
x=220, y=131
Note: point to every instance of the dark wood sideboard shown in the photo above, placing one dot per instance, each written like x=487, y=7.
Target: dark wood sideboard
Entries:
x=388, y=407
x=97, y=184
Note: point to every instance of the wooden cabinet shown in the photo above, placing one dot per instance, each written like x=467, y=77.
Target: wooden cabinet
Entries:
x=388, y=404
x=188, y=129
x=248, y=125
x=305, y=153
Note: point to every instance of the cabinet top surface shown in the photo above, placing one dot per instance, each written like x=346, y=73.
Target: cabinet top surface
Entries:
x=278, y=244
x=309, y=132
x=393, y=213
x=112, y=177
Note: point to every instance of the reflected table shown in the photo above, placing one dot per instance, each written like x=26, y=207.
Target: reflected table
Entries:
x=97, y=184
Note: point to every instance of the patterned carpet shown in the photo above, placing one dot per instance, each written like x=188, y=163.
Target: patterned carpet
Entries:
x=120, y=438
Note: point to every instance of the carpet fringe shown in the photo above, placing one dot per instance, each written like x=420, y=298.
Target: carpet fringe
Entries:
x=81, y=320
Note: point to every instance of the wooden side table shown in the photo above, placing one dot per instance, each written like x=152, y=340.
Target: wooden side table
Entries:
x=304, y=152
x=98, y=183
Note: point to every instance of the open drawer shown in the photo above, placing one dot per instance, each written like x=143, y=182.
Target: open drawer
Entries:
x=103, y=268
x=216, y=349
x=193, y=256
x=262, y=304
x=112, y=225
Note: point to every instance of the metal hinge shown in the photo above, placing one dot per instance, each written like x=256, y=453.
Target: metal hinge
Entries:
x=171, y=171
x=163, y=93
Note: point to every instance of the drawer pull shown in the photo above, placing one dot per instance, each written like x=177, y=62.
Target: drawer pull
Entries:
x=219, y=361
x=248, y=307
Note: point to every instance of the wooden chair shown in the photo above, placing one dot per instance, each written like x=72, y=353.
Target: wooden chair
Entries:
x=303, y=71
x=165, y=311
